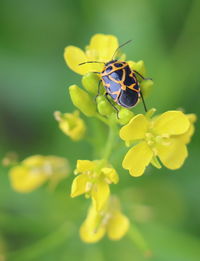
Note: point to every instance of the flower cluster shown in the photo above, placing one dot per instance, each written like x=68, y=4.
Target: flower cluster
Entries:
x=153, y=139
x=93, y=180
x=71, y=124
x=157, y=140
x=164, y=136
x=34, y=171
x=108, y=221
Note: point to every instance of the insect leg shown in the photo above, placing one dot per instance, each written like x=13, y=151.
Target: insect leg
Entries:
x=142, y=76
x=98, y=90
x=145, y=107
x=106, y=96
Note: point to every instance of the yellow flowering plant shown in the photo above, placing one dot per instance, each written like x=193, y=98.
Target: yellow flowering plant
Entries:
x=160, y=137
x=71, y=124
x=156, y=140
x=34, y=171
x=108, y=221
x=153, y=139
x=93, y=180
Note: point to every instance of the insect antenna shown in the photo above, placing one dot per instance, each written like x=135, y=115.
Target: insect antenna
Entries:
x=90, y=62
x=145, y=107
x=119, y=48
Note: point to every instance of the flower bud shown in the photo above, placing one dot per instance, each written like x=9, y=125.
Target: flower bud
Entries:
x=71, y=124
x=146, y=87
x=82, y=100
x=124, y=116
x=150, y=113
x=35, y=170
x=90, y=82
x=138, y=67
x=103, y=106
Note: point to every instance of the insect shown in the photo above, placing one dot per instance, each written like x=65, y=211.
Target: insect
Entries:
x=120, y=82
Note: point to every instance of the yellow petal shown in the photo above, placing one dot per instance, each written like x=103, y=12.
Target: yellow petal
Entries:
x=137, y=159
x=34, y=161
x=172, y=123
x=135, y=129
x=102, y=47
x=100, y=194
x=91, y=230
x=85, y=165
x=46, y=165
x=89, y=235
x=192, y=117
x=118, y=226
x=186, y=137
x=79, y=185
x=111, y=174
x=23, y=180
x=71, y=124
x=173, y=154
x=73, y=57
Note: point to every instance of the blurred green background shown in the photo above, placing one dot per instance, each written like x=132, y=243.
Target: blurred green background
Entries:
x=34, y=78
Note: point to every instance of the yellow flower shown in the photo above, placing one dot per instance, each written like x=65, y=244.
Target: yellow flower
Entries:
x=36, y=170
x=164, y=136
x=101, y=49
x=71, y=124
x=93, y=180
x=186, y=137
x=110, y=220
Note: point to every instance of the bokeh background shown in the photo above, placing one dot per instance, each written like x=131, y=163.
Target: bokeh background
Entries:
x=163, y=204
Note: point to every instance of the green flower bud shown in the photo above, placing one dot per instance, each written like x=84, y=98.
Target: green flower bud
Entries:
x=138, y=66
x=146, y=87
x=150, y=113
x=103, y=106
x=82, y=100
x=90, y=82
x=124, y=116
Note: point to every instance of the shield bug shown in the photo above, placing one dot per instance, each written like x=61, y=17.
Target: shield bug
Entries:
x=120, y=82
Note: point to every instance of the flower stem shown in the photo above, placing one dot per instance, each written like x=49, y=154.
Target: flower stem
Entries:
x=137, y=238
x=43, y=245
x=110, y=141
x=103, y=119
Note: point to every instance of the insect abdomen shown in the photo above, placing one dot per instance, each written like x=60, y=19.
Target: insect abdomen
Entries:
x=128, y=98
x=121, y=84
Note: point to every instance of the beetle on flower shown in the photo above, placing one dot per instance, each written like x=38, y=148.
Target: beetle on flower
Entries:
x=118, y=78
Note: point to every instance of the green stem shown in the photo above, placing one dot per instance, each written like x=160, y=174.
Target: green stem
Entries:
x=44, y=245
x=137, y=238
x=103, y=119
x=110, y=141
x=54, y=182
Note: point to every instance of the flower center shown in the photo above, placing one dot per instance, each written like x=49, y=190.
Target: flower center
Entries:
x=149, y=138
x=152, y=138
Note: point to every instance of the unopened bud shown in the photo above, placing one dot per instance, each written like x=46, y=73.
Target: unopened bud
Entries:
x=82, y=100
x=125, y=116
x=103, y=105
x=90, y=82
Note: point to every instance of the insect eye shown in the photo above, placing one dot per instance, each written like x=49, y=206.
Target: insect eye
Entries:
x=118, y=65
